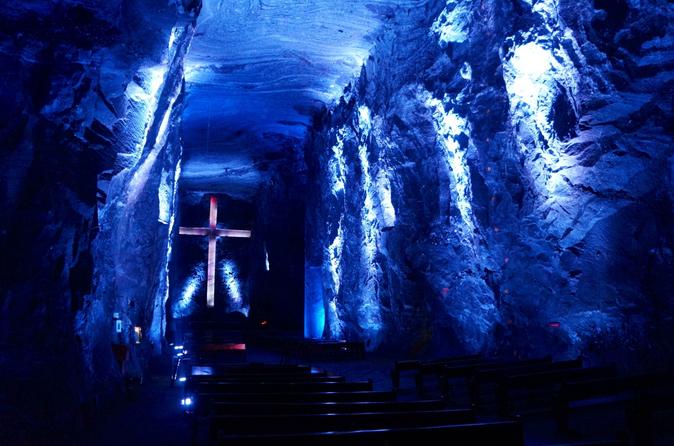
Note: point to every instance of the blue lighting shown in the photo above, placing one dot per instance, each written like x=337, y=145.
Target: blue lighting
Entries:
x=314, y=309
x=230, y=276
x=335, y=253
x=164, y=194
x=185, y=305
x=385, y=203
x=337, y=163
x=536, y=71
x=369, y=314
x=144, y=95
x=449, y=126
x=452, y=23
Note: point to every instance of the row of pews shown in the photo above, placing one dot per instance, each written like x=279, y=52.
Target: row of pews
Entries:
x=516, y=388
x=249, y=403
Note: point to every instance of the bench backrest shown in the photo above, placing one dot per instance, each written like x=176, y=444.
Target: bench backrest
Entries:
x=303, y=423
x=504, y=433
x=233, y=408
x=278, y=387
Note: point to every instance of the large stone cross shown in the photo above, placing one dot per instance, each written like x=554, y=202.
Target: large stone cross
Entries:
x=213, y=232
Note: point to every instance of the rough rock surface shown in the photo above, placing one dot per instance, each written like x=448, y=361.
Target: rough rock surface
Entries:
x=90, y=101
x=499, y=178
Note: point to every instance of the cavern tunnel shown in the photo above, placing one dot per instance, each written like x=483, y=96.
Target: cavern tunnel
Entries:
x=337, y=222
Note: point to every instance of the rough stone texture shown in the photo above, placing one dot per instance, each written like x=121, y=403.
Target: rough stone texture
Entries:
x=79, y=85
x=525, y=148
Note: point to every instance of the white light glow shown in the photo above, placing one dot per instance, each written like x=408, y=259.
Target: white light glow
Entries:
x=449, y=126
x=230, y=276
x=384, y=192
x=336, y=325
x=369, y=314
x=335, y=254
x=536, y=72
x=337, y=164
x=164, y=194
x=453, y=22
x=466, y=71
x=185, y=305
x=364, y=120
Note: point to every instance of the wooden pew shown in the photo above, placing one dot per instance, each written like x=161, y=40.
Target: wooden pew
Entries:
x=466, y=370
x=215, y=368
x=502, y=433
x=234, y=408
x=275, y=387
x=639, y=395
x=492, y=374
x=415, y=366
x=202, y=402
x=436, y=368
x=307, y=423
x=552, y=378
x=269, y=378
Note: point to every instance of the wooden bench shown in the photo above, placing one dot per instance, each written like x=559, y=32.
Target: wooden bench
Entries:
x=436, y=367
x=215, y=368
x=202, y=402
x=275, y=387
x=307, y=423
x=266, y=408
x=269, y=378
x=501, y=433
x=492, y=374
x=465, y=370
x=639, y=395
x=530, y=381
x=415, y=366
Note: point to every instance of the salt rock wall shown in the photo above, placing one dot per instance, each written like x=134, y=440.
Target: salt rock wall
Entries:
x=90, y=91
x=499, y=179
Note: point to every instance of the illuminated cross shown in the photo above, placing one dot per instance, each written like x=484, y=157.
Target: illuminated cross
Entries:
x=213, y=233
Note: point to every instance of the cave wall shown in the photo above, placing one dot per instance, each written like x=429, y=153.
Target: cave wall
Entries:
x=91, y=93
x=499, y=178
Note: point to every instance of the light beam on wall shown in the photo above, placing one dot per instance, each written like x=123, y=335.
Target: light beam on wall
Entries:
x=449, y=126
x=369, y=312
x=337, y=164
x=185, y=304
x=452, y=23
x=230, y=276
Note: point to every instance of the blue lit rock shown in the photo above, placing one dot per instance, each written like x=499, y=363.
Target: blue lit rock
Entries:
x=80, y=91
x=528, y=148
